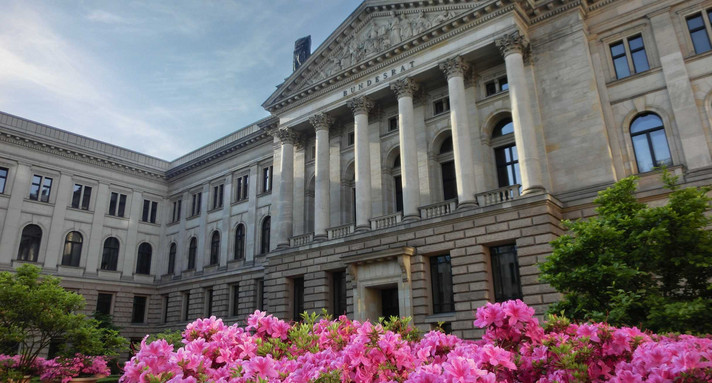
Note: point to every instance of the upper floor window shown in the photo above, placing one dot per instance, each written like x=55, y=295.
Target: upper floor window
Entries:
x=149, y=211
x=495, y=86
x=649, y=142
x=441, y=105
x=138, y=314
x=218, y=196
x=143, y=261
x=267, y=176
x=629, y=56
x=241, y=188
x=441, y=283
x=700, y=29
x=393, y=124
x=506, y=157
x=177, y=206
x=72, y=249
x=40, y=188
x=209, y=297
x=30, y=243
x=350, y=139
x=192, y=253
x=264, y=248
x=172, y=258
x=81, y=197
x=240, y=241
x=117, y=204
x=3, y=179
x=505, y=273
x=110, y=255
x=195, y=204
x=215, y=248
x=447, y=170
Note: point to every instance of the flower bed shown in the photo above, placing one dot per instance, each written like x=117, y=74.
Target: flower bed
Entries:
x=515, y=348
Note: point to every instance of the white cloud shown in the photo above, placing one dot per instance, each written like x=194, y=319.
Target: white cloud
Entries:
x=101, y=16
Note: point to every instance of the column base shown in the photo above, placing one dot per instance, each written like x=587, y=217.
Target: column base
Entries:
x=282, y=246
x=320, y=238
x=362, y=229
x=534, y=189
x=411, y=218
x=467, y=205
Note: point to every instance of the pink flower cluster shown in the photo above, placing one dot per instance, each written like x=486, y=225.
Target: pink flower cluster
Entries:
x=65, y=369
x=514, y=348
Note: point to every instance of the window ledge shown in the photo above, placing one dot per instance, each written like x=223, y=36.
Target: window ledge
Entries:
x=698, y=56
x=265, y=193
x=150, y=223
x=115, y=217
x=215, y=209
x=39, y=202
x=110, y=274
x=633, y=77
x=390, y=133
x=193, y=217
x=80, y=210
x=439, y=116
x=493, y=98
x=440, y=317
x=173, y=223
x=238, y=202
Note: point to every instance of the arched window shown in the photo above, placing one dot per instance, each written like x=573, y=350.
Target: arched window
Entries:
x=240, y=242
x=30, y=243
x=649, y=142
x=143, y=261
x=398, y=183
x=309, y=194
x=266, y=223
x=447, y=168
x=505, y=153
x=110, y=255
x=172, y=258
x=192, y=250
x=72, y=249
x=215, y=248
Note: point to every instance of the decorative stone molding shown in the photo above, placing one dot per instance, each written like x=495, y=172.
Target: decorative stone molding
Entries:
x=360, y=105
x=512, y=43
x=321, y=121
x=454, y=67
x=288, y=136
x=405, y=87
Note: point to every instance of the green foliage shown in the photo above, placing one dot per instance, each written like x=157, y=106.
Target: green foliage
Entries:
x=637, y=265
x=35, y=309
x=173, y=337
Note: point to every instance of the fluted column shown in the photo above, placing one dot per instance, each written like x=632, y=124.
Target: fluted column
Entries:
x=455, y=69
x=512, y=46
x=360, y=107
x=404, y=90
x=286, y=187
x=321, y=123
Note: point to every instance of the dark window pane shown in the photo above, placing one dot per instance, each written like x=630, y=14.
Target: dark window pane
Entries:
x=446, y=146
x=3, y=179
x=490, y=88
x=143, y=263
x=399, y=192
x=103, y=303
x=72, y=249
x=266, y=229
x=46, y=189
x=449, y=180
x=503, y=84
x=172, y=258
x=86, y=197
x=112, y=203
x=339, y=293
x=640, y=61
x=236, y=299
x=110, y=255
x=192, y=250
x=298, y=298
x=621, y=65
x=30, y=243
x=76, y=196
x=139, y=310
x=215, y=248
x=503, y=127
x=441, y=283
x=698, y=33
x=240, y=242
x=505, y=272
x=122, y=205
x=35, y=188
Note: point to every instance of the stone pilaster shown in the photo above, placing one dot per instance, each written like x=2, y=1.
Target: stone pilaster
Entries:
x=285, y=203
x=360, y=107
x=321, y=122
x=404, y=90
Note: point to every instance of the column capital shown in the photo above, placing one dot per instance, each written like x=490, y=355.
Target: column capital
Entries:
x=321, y=121
x=287, y=136
x=512, y=43
x=453, y=67
x=405, y=87
x=360, y=105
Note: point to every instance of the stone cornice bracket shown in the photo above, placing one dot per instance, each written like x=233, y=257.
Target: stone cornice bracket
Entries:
x=454, y=67
x=512, y=43
x=360, y=105
x=321, y=121
x=404, y=87
x=288, y=136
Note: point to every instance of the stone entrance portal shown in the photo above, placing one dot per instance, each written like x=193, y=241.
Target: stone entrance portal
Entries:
x=382, y=283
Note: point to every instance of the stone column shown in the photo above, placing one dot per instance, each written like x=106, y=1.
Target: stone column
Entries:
x=321, y=123
x=455, y=69
x=360, y=107
x=286, y=187
x=404, y=90
x=512, y=47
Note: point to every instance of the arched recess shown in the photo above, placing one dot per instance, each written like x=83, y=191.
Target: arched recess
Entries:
x=110, y=254
x=72, y=251
x=30, y=241
x=143, y=259
x=240, y=235
x=265, y=234
x=443, y=161
x=671, y=135
x=392, y=181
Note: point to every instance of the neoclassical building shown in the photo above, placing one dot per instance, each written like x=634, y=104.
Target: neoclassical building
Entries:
x=417, y=163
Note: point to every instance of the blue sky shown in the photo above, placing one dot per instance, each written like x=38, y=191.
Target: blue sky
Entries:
x=159, y=77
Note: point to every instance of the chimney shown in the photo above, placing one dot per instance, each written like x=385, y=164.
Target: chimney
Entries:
x=302, y=51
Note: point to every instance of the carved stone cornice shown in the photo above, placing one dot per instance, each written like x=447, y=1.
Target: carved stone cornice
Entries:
x=360, y=105
x=321, y=121
x=405, y=87
x=288, y=136
x=512, y=43
x=453, y=67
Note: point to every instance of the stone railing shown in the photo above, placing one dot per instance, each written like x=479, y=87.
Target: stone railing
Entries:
x=300, y=240
x=496, y=196
x=438, y=209
x=386, y=221
x=340, y=231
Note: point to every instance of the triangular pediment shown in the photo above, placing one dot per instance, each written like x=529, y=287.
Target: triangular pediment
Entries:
x=375, y=31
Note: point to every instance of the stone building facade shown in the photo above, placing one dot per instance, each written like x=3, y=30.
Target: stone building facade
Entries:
x=417, y=163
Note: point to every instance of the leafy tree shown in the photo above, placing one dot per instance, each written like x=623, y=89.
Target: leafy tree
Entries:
x=635, y=264
x=35, y=309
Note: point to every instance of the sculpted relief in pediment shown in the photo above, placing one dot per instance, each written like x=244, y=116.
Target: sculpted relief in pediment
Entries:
x=377, y=35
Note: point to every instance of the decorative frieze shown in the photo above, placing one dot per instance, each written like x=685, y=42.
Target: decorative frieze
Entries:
x=512, y=43
x=321, y=121
x=453, y=67
x=405, y=87
x=360, y=105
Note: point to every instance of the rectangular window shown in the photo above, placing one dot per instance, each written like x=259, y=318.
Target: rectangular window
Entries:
x=338, y=289
x=209, y=295
x=218, y=196
x=505, y=273
x=267, y=176
x=313, y=152
x=241, y=188
x=236, y=299
x=393, y=124
x=177, y=205
x=297, y=298
x=186, y=305
x=149, y=211
x=41, y=188
x=699, y=34
x=350, y=139
x=441, y=282
x=495, y=86
x=103, y=303
x=165, y=308
x=629, y=56
x=81, y=197
x=195, y=206
x=260, y=294
x=441, y=106
x=117, y=204
x=139, y=310
x=3, y=179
